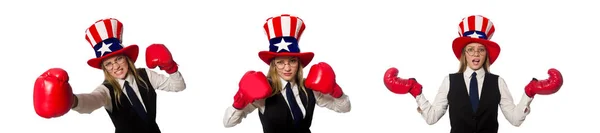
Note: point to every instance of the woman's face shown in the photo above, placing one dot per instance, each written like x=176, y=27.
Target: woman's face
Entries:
x=286, y=67
x=475, y=55
x=116, y=66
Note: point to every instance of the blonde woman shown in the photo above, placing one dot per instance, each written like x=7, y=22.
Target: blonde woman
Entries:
x=284, y=99
x=472, y=95
x=127, y=93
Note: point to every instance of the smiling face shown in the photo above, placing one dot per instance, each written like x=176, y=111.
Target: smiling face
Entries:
x=475, y=55
x=287, y=67
x=116, y=66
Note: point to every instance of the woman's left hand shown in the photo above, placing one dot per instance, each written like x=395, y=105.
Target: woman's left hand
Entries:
x=321, y=78
x=159, y=55
x=546, y=86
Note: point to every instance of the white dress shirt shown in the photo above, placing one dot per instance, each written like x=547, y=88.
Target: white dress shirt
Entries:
x=514, y=114
x=341, y=105
x=100, y=97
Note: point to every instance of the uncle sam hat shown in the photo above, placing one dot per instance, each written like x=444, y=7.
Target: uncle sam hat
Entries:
x=105, y=37
x=476, y=29
x=284, y=32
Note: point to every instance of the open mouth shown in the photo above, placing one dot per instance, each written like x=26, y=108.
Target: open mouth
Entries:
x=476, y=61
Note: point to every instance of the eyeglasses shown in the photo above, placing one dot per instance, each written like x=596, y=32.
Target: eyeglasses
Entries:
x=472, y=51
x=280, y=64
x=118, y=61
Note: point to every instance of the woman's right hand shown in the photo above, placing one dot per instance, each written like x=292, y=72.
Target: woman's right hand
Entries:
x=253, y=86
x=399, y=85
x=52, y=93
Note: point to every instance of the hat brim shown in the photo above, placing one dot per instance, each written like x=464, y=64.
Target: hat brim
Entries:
x=130, y=51
x=304, y=57
x=492, y=48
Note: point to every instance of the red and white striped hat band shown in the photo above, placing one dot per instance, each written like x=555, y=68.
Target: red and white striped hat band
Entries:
x=284, y=32
x=105, y=36
x=476, y=26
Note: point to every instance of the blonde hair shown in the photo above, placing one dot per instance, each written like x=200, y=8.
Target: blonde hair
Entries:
x=115, y=85
x=276, y=84
x=464, y=65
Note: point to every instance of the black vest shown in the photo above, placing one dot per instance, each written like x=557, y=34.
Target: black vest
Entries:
x=277, y=117
x=462, y=117
x=124, y=117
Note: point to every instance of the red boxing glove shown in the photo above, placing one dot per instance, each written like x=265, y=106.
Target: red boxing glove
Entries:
x=253, y=86
x=545, y=87
x=159, y=55
x=399, y=85
x=52, y=94
x=321, y=78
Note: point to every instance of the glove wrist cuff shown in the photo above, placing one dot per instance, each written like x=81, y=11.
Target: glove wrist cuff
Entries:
x=337, y=91
x=530, y=95
x=337, y=94
x=172, y=69
x=415, y=95
x=239, y=105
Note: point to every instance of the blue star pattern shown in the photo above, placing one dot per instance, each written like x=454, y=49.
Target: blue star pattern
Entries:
x=284, y=44
x=107, y=46
x=475, y=34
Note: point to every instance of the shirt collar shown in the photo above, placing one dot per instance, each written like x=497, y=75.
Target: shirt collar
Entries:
x=480, y=72
x=284, y=82
x=128, y=78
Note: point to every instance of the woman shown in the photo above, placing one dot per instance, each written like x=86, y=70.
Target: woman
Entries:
x=473, y=94
x=127, y=92
x=285, y=99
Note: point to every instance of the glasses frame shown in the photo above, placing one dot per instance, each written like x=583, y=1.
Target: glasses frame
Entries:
x=471, y=51
x=120, y=60
x=291, y=63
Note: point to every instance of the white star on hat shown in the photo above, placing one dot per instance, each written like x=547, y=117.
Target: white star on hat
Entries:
x=282, y=45
x=104, y=48
x=474, y=35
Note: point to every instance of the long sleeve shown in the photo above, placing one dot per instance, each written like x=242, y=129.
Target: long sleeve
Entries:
x=514, y=114
x=433, y=112
x=234, y=116
x=340, y=105
x=88, y=102
x=172, y=83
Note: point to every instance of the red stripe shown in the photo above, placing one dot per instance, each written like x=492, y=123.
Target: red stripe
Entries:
x=293, y=22
x=471, y=20
x=491, y=32
x=119, y=31
x=88, y=39
x=277, y=26
x=95, y=35
x=484, y=26
x=108, y=25
x=266, y=26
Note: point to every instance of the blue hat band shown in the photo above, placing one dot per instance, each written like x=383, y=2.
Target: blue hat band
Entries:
x=107, y=46
x=284, y=44
x=475, y=34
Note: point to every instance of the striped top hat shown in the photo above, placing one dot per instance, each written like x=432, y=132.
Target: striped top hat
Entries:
x=105, y=37
x=284, y=32
x=476, y=29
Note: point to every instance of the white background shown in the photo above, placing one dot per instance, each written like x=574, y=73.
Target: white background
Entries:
x=216, y=42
